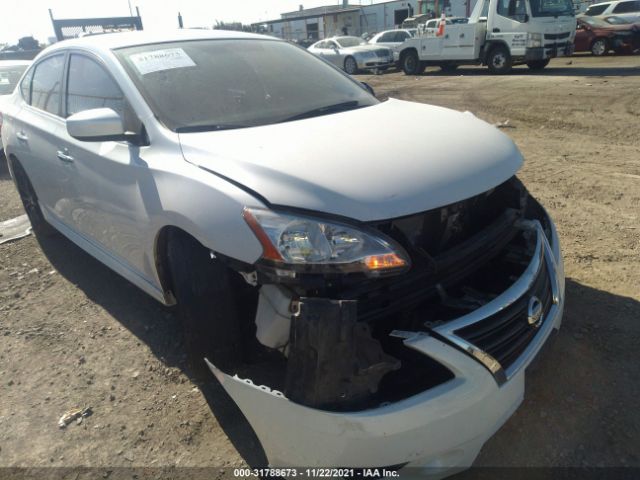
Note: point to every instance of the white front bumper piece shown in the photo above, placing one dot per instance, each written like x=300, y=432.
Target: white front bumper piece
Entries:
x=440, y=430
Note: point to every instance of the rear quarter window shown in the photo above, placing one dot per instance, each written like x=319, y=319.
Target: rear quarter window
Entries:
x=25, y=86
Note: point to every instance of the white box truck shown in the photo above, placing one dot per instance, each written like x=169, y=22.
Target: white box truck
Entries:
x=499, y=34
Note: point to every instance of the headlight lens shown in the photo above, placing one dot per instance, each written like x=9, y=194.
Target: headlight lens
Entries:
x=319, y=246
x=534, y=40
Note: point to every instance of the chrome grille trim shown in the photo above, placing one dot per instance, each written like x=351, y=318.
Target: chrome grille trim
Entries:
x=542, y=253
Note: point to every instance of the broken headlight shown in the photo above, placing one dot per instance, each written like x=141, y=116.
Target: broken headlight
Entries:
x=314, y=245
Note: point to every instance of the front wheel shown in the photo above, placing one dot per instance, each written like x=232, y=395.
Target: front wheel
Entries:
x=600, y=47
x=205, y=304
x=538, y=64
x=411, y=64
x=350, y=65
x=499, y=60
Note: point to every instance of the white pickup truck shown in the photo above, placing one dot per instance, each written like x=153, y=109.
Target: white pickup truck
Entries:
x=500, y=34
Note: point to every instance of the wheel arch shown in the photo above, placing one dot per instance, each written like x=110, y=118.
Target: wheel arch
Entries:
x=161, y=259
x=490, y=45
x=406, y=51
x=607, y=40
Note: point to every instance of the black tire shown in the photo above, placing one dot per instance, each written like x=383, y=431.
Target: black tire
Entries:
x=350, y=65
x=448, y=67
x=4, y=163
x=600, y=47
x=411, y=64
x=205, y=304
x=499, y=60
x=41, y=228
x=538, y=64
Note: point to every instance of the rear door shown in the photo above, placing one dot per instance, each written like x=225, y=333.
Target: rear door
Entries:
x=38, y=127
x=629, y=9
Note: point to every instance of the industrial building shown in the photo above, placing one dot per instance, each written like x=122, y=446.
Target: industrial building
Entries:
x=355, y=19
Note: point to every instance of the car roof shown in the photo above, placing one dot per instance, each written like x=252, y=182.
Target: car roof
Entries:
x=113, y=41
x=601, y=3
x=394, y=30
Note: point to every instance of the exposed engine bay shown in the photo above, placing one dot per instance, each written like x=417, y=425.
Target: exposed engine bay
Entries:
x=335, y=341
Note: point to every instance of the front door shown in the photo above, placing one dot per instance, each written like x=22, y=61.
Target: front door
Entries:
x=109, y=208
x=509, y=24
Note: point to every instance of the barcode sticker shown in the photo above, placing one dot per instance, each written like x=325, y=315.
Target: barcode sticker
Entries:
x=159, y=60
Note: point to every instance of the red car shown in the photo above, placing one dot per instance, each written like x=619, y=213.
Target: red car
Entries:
x=599, y=37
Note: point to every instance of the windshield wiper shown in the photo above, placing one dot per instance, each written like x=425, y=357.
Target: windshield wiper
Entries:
x=209, y=128
x=316, y=112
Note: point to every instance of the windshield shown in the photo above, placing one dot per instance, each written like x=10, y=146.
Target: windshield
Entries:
x=552, y=8
x=617, y=21
x=346, y=42
x=221, y=84
x=9, y=77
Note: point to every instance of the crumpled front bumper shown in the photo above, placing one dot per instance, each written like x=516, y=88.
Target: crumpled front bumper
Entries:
x=440, y=430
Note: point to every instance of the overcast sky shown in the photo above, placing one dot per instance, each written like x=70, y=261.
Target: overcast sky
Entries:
x=31, y=17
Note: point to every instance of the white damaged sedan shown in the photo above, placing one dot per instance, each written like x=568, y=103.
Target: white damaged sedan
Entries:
x=367, y=299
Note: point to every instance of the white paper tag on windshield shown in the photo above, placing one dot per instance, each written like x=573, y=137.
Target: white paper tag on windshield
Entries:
x=158, y=60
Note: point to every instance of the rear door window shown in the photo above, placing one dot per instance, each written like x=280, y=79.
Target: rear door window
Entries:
x=627, y=7
x=387, y=37
x=46, y=84
x=596, y=9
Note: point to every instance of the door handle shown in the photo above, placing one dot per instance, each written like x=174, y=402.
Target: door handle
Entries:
x=22, y=136
x=462, y=35
x=496, y=30
x=65, y=157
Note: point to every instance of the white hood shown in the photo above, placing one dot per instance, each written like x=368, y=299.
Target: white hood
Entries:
x=389, y=160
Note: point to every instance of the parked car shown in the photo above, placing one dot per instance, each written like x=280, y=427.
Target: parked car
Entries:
x=368, y=280
x=10, y=73
x=353, y=54
x=597, y=36
x=392, y=39
x=629, y=9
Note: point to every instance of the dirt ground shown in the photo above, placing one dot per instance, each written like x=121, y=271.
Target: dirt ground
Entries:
x=74, y=334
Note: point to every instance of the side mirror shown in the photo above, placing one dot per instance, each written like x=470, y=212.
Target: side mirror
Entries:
x=526, y=18
x=97, y=125
x=368, y=88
